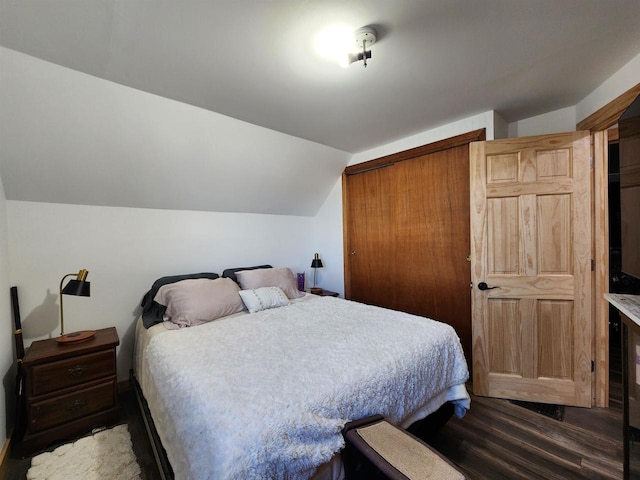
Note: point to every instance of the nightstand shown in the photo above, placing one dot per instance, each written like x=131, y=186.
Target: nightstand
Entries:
x=69, y=389
x=327, y=293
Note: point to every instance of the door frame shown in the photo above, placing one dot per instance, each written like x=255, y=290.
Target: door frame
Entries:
x=598, y=123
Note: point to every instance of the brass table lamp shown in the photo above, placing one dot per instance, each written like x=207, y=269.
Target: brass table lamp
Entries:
x=78, y=287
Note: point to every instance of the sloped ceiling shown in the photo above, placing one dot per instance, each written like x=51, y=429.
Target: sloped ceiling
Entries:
x=253, y=61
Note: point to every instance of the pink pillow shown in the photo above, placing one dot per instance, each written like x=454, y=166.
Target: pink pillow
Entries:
x=282, y=278
x=196, y=301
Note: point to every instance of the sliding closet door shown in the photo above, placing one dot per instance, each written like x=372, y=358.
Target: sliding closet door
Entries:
x=407, y=234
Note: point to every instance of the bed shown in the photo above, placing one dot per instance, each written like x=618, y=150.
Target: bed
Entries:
x=264, y=391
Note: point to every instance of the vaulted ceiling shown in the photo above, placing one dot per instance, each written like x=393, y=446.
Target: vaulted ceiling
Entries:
x=435, y=61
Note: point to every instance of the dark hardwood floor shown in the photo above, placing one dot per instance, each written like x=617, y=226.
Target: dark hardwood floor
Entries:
x=501, y=440
x=495, y=440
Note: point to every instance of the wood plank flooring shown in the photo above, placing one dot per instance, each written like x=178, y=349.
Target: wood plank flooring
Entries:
x=500, y=440
x=495, y=440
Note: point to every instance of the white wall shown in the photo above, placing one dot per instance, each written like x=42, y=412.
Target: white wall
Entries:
x=483, y=120
x=500, y=126
x=558, y=121
x=327, y=240
x=69, y=137
x=566, y=119
x=6, y=326
x=126, y=249
x=618, y=83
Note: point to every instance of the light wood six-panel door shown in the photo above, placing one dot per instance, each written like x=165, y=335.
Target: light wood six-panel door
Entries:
x=531, y=247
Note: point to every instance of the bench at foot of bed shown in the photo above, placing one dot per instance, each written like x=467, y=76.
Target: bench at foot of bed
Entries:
x=377, y=449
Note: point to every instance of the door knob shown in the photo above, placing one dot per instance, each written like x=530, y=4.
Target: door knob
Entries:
x=484, y=286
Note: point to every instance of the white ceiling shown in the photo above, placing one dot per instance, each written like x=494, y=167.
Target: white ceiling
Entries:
x=435, y=61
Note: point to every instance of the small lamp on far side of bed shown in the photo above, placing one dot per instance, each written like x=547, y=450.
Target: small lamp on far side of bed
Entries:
x=316, y=263
x=81, y=288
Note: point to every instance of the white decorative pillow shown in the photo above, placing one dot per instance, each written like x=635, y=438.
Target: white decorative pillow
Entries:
x=282, y=278
x=257, y=299
x=195, y=301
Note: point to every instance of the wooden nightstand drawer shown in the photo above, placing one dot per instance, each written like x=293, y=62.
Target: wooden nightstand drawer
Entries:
x=73, y=371
x=64, y=408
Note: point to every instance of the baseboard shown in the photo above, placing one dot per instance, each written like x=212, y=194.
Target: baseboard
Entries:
x=4, y=455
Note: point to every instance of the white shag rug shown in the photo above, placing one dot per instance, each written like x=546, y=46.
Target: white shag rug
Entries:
x=105, y=455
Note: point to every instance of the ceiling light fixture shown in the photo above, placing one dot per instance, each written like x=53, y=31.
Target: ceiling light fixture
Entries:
x=340, y=43
x=364, y=38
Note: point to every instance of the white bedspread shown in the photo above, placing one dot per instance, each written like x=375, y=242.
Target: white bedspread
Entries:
x=266, y=395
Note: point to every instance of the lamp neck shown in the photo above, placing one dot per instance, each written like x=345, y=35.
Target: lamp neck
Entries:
x=61, y=309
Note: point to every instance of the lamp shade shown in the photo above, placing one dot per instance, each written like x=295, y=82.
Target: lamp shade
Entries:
x=316, y=262
x=80, y=288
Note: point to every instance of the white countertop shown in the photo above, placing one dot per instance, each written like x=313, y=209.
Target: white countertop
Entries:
x=627, y=304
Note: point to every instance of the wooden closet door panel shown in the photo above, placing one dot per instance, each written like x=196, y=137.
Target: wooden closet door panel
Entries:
x=408, y=238
x=371, y=238
x=433, y=225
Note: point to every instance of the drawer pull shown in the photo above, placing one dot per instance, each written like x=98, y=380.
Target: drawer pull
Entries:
x=77, y=405
x=77, y=371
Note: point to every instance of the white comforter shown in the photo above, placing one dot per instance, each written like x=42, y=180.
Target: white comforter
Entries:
x=266, y=395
